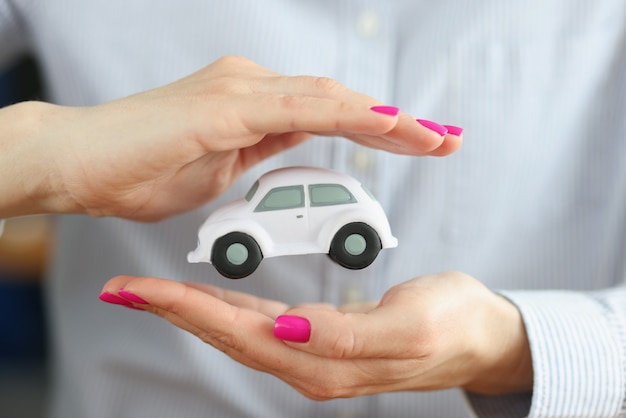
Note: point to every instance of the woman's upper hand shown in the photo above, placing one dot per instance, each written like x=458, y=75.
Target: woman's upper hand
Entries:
x=168, y=150
x=432, y=332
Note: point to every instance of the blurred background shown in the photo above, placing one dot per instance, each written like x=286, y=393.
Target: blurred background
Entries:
x=24, y=250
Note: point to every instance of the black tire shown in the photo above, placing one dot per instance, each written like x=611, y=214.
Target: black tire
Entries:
x=367, y=248
x=236, y=255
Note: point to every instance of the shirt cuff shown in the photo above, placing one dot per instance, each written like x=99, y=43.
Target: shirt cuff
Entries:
x=515, y=405
x=577, y=358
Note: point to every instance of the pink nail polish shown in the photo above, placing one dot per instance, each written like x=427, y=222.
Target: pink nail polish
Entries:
x=131, y=297
x=386, y=110
x=454, y=130
x=433, y=126
x=292, y=328
x=116, y=300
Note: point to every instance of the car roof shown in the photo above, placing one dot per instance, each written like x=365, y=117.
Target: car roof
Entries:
x=305, y=175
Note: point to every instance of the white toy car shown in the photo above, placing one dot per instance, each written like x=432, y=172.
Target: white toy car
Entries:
x=295, y=210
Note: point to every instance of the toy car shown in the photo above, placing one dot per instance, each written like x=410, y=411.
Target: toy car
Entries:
x=295, y=210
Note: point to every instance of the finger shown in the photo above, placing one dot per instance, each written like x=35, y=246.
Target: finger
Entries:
x=361, y=307
x=378, y=143
x=425, y=138
x=269, y=146
x=418, y=138
x=270, y=308
x=280, y=113
x=115, y=284
x=196, y=306
x=245, y=335
x=381, y=333
x=313, y=86
x=452, y=142
x=316, y=306
x=229, y=328
x=429, y=133
x=410, y=137
x=233, y=65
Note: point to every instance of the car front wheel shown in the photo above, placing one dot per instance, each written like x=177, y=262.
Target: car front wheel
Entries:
x=236, y=255
x=355, y=246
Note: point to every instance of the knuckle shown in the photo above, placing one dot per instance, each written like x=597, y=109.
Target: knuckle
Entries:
x=223, y=342
x=344, y=345
x=292, y=102
x=175, y=303
x=293, y=107
x=324, y=390
x=225, y=85
x=327, y=85
x=232, y=61
x=226, y=340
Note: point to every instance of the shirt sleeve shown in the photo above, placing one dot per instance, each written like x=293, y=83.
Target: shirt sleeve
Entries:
x=578, y=345
x=13, y=39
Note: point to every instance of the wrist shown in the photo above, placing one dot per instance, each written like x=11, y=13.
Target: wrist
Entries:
x=504, y=352
x=31, y=178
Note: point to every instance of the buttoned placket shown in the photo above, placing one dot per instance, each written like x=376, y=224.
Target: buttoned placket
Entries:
x=367, y=66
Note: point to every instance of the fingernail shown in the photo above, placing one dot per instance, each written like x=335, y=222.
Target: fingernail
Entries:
x=131, y=297
x=116, y=300
x=454, y=130
x=433, y=126
x=386, y=110
x=292, y=328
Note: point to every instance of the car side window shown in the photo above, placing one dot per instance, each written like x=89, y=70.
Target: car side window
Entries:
x=330, y=194
x=282, y=198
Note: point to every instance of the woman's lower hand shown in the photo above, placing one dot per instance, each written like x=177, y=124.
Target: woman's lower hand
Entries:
x=429, y=333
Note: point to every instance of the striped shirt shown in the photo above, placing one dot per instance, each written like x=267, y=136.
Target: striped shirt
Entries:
x=533, y=205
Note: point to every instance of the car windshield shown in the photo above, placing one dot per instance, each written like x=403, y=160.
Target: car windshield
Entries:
x=252, y=191
x=368, y=192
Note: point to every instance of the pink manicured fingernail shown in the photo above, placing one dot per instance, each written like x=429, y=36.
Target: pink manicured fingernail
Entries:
x=116, y=300
x=292, y=328
x=131, y=297
x=386, y=110
x=454, y=130
x=433, y=126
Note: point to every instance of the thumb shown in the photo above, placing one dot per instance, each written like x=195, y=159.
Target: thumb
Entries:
x=380, y=333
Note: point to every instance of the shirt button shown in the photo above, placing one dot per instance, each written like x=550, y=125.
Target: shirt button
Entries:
x=361, y=159
x=352, y=294
x=368, y=24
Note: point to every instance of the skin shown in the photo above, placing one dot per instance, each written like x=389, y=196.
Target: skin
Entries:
x=165, y=151
x=431, y=332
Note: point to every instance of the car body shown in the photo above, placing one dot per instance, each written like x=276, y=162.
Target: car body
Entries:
x=295, y=210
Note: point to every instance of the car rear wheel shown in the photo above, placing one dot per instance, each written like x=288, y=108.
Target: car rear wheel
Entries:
x=236, y=255
x=355, y=246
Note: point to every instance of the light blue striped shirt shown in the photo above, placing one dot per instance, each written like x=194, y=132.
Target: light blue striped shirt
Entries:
x=533, y=205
